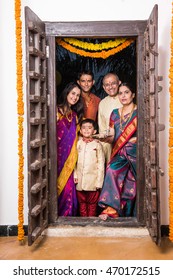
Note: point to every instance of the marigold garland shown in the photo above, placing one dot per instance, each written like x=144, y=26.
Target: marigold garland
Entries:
x=102, y=54
x=171, y=138
x=94, y=47
x=20, y=112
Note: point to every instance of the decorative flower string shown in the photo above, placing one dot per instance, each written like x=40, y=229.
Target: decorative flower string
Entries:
x=171, y=138
x=94, y=47
x=102, y=54
x=20, y=112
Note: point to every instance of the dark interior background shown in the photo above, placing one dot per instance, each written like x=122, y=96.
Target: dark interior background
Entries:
x=69, y=64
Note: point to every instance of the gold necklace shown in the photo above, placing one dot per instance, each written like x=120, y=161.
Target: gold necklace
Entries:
x=69, y=116
x=125, y=119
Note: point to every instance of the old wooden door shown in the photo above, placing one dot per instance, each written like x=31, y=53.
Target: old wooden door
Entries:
x=151, y=127
x=37, y=125
x=148, y=211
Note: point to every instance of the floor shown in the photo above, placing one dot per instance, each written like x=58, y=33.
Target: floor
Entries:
x=49, y=247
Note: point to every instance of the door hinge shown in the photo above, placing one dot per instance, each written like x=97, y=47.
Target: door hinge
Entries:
x=49, y=164
x=161, y=127
x=161, y=172
x=48, y=99
x=47, y=51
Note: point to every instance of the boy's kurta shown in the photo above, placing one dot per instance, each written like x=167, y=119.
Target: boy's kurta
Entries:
x=90, y=165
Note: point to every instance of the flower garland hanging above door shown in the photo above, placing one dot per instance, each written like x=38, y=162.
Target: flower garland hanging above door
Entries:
x=102, y=50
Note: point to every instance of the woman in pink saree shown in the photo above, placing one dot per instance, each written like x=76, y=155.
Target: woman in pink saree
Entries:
x=118, y=193
x=69, y=114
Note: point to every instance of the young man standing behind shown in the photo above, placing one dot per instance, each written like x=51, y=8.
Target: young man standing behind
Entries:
x=111, y=83
x=91, y=101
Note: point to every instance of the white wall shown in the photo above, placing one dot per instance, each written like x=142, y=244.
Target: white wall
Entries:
x=8, y=117
x=54, y=10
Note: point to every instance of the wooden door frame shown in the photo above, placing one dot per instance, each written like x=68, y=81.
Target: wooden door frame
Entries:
x=94, y=29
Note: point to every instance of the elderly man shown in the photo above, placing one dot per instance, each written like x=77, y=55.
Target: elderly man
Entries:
x=111, y=83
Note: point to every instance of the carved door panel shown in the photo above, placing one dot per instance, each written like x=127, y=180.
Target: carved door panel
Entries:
x=37, y=125
x=151, y=127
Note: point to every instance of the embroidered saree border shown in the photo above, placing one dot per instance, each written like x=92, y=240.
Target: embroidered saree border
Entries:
x=68, y=168
x=125, y=136
x=69, y=164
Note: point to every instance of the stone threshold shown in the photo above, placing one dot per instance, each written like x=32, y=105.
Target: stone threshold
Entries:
x=99, y=231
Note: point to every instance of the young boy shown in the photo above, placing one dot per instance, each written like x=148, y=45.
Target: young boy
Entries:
x=89, y=173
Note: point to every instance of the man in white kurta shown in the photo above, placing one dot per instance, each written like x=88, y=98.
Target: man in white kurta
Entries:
x=106, y=106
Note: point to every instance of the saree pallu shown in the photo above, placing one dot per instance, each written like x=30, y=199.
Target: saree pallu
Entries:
x=67, y=157
x=119, y=188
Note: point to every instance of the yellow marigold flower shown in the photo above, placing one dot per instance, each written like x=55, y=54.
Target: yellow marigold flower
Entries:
x=20, y=111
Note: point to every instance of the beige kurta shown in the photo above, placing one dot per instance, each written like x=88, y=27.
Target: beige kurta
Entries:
x=90, y=166
x=106, y=106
